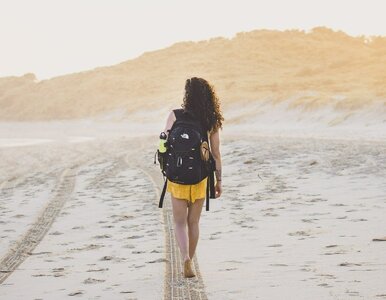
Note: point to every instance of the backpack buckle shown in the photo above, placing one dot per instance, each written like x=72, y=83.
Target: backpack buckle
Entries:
x=179, y=161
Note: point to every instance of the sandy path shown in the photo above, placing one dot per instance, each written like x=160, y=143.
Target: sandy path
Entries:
x=176, y=286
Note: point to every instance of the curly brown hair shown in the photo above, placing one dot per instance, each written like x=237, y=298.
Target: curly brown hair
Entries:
x=201, y=100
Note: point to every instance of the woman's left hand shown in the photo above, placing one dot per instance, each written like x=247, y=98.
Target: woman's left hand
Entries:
x=218, y=189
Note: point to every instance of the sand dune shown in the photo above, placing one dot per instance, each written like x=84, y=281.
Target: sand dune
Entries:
x=313, y=69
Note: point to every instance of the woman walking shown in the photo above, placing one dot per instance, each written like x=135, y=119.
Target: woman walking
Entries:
x=201, y=103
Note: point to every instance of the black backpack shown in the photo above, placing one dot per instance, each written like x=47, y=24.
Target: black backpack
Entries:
x=182, y=162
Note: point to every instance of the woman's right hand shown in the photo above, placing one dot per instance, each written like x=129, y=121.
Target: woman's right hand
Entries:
x=218, y=189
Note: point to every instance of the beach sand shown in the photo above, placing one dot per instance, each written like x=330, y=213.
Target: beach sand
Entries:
x=299, y=218
x=106, y=241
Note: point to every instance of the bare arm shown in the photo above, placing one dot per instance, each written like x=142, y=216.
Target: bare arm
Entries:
x=169, y=122
x=215, y=149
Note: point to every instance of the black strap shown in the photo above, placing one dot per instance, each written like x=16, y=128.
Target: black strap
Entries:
x=161, y=200
x=178, y=113
x=207, y=194
x=212, y=168
x=212, y=189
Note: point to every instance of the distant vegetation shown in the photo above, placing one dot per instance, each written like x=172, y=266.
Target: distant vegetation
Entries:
x=312, y=68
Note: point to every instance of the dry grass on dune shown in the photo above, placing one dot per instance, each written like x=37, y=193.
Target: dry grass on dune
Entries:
x=262, y=64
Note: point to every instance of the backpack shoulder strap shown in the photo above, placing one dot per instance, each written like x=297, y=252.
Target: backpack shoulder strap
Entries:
x=211, y=193
x=178, y=113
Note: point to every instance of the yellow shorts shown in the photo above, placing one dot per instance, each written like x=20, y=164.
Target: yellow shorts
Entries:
x=190, y=192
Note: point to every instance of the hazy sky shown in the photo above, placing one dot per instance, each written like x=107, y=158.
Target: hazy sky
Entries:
x=52, y=37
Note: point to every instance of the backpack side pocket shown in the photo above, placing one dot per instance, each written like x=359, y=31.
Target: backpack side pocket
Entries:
x=162, y=160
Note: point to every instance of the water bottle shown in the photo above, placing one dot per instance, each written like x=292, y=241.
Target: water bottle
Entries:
x=162, y=141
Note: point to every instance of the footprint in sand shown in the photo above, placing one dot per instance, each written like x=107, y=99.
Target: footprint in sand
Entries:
x=309, y=220
x=39, y=275
x=98, y=270
x=18, y=216
x=278, y=265
x=112, y=258
x=120, y=218
x=381, y=296
x=159, y=260
x=335, y=252
x=347, y=264
x=269, y=214
x=352, y=293
x=38, y=253
x=327, y=276
x=108, y=226
x=300, y=233
x=156, y=251
x=77, y=227
x=139, y=266
x=228, y=269
x=87, y=247
x=135, y=237
x=56, y=233
x=275, y=245
x=106, y=258
x=325, y=285
x=316, y=200
x=102, y=236
x=58, y=272
x=306, y=270
x=93, y=281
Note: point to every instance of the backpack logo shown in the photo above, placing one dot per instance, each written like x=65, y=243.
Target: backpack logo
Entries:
x=185, y=136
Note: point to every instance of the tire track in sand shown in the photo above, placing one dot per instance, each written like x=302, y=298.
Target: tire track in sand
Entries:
x=26, y=244
x=175, y=285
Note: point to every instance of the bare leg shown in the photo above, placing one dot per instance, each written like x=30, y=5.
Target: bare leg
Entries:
x=180, y=214
x=193, y=225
